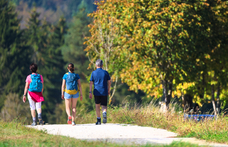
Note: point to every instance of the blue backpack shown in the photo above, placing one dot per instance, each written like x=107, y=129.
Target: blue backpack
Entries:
x=71, y=83
x=35, y=85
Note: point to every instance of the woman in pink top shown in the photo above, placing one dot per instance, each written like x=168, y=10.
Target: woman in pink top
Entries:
x=35, y=97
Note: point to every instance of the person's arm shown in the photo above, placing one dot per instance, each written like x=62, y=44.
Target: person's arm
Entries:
x=63, y=87
x=90, y=89
x=43, y=87
x=109, y=86
x=25, y=91
x=80, y=88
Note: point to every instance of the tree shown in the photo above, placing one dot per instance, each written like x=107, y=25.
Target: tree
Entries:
x=56, y=66
x=103, y=44
x=13, y=52
x=146, y=40
x=73, y=49
x=163, y=43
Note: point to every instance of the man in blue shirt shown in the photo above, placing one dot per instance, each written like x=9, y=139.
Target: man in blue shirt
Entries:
x=101, y=80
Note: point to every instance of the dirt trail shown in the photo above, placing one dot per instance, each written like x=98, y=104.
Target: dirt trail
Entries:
x=119, y=133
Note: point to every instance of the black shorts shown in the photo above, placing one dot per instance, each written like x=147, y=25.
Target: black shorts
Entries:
x=101, y=100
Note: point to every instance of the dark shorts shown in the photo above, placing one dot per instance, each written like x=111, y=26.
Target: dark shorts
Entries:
x=101, y=100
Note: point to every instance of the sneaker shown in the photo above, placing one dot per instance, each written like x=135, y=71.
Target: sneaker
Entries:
x=69, y=121
x=33, y=124
x=40, y=121
x=104, y=117
x=98, y=122
x=73, y=123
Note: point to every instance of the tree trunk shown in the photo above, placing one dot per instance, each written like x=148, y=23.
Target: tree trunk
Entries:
x=182, y=98
x=218, y=98
x=203, y=84
x=169, y=93
x=213, y=98
x=114, y=90
x=164, y=107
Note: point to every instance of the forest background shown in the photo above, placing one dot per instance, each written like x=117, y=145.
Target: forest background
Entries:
x=173, y=61
x=50, y=33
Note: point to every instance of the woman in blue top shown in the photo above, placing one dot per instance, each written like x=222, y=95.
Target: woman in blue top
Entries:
x=71, y=86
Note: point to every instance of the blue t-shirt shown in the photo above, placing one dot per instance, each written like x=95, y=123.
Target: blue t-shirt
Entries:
x=100, y=79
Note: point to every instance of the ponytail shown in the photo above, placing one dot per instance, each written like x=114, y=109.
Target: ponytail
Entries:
x=71, y=67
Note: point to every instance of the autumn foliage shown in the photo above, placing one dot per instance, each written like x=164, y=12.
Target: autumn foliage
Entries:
x=164, y=47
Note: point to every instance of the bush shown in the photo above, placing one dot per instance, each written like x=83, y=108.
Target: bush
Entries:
x=14, y=108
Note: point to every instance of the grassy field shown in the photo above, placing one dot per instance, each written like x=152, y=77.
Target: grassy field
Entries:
x=15, y=134
x=210, y=130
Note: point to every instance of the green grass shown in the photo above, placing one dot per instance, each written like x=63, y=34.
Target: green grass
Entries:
x=215, y=136
x=181, y=144
x=15, y=134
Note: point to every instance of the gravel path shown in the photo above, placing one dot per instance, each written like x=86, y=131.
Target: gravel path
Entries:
x=118, y=133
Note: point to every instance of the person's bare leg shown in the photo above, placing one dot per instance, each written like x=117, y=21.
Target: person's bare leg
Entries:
x=98, y=114
x=98, y=110
x=39, y=116
x=67, y=104
x=104, y=108
x=39, y=110
x=74, y=103
x=33, y=113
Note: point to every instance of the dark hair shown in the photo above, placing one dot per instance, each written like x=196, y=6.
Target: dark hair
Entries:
x=33, y=67
x=71, y=67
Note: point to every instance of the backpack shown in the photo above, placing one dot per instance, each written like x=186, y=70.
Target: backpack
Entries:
x=71, y=83
x=35, y=85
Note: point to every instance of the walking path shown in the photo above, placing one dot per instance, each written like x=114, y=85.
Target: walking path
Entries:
x=120, y=133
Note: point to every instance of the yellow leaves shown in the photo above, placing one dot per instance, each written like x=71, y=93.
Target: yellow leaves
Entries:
x=207, y=4
x=207, y=56
x=211, y=73
x=198, y=101
x=149, y=31
x=214, y=82
x=150, y=84
x=177, y=93
x=160, y=86
x=185, y=85
x=184, y=72
x=198, y=23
